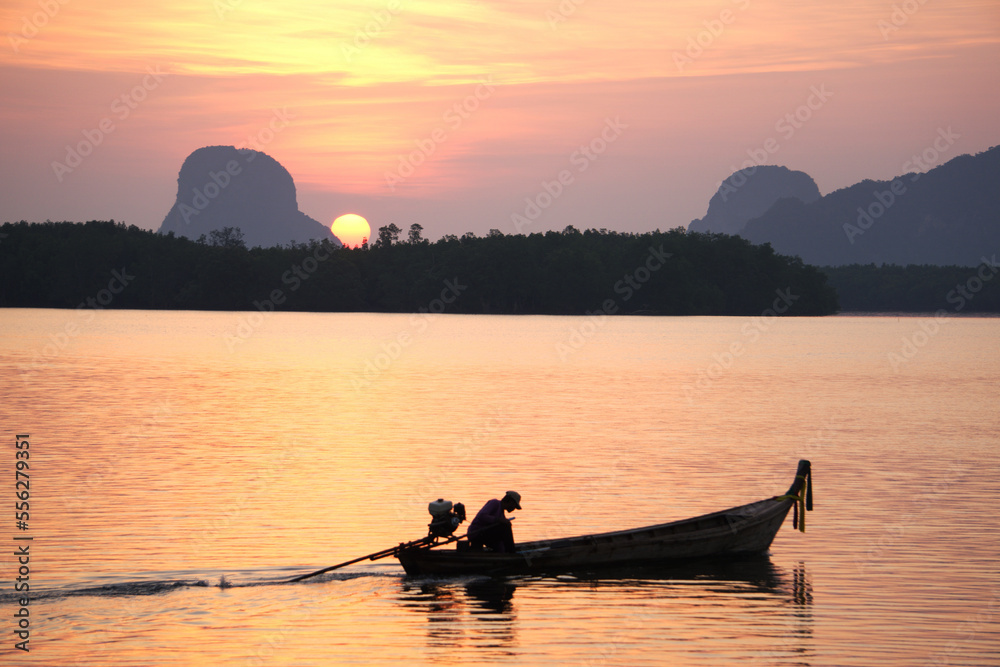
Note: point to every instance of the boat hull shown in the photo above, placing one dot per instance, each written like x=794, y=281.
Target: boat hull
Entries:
x=743, y=530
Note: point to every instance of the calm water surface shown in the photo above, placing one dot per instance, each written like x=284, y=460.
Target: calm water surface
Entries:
x=183, y=463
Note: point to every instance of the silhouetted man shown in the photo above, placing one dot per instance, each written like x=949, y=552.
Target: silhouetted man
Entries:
x=491, y=528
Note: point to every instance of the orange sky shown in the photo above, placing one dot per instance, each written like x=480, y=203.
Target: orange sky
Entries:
x=451, y=113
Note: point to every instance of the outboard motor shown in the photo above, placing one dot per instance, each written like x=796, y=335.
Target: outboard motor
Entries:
x=445, y=517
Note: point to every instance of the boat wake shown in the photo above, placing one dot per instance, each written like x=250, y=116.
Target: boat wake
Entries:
x=130, y=588
x=163, y=587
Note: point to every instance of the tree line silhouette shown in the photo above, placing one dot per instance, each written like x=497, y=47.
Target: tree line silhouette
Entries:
x=62, y=265
x=917, y=288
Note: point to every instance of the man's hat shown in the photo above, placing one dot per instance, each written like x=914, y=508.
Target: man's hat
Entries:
x=516, y=497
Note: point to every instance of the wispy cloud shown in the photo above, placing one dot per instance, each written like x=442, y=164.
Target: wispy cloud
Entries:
x=437, y=42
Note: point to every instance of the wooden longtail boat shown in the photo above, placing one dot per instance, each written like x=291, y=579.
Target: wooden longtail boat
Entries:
x=747, y=529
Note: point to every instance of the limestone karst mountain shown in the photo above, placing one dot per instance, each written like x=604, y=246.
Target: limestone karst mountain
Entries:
x=748, y=193
x=949, y=215
x=222, y=186
x=946, y=215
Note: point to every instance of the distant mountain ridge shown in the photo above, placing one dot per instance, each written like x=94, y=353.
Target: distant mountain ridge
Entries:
x=949, y=215
x=749, y=193
x=222, y=186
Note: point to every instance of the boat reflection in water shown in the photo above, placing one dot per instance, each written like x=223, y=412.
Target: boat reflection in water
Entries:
x=490, y=596
x=750, y=607
x=477, y=611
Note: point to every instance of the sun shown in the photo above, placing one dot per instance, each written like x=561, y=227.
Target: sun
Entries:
x=351, y=229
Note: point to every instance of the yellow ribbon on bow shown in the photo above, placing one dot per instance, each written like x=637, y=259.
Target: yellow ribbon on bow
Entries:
x=803, y=502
